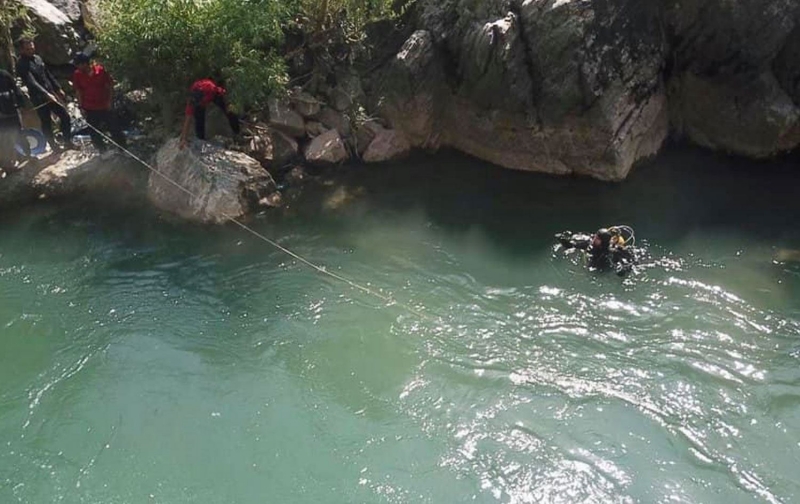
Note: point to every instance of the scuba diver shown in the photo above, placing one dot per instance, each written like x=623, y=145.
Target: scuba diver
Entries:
x=607, y=249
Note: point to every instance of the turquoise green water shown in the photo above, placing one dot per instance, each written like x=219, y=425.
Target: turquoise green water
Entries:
x=145, y=361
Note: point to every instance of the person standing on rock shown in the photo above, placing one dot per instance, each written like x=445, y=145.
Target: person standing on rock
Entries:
x=94, y=89
x=46, y=94
x=201, y=94
x=11, y=100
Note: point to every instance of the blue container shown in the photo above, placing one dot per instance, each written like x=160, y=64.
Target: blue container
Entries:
x=35, y=139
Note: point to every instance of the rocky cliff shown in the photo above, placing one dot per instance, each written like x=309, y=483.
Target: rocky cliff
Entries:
x=585, y=87
x=593, y=86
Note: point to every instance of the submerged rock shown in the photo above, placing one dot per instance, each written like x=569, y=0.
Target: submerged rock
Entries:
x=217, y=184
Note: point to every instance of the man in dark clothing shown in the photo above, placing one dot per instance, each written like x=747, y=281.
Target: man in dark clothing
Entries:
x=94, y=88
x=46, y=94
x=11, y=99
x=202, y=93
x=605, y=250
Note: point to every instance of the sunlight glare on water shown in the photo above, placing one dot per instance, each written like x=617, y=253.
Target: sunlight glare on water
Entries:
x=144, y=360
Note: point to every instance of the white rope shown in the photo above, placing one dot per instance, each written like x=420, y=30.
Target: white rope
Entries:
x=298, y=257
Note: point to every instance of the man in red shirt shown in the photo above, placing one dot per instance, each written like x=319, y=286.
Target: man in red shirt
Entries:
x=201, y=94
x=94, y=88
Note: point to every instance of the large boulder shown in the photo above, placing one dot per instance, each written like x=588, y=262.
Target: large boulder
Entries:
x=749, y=117
x=787, y=66
x=75, y=174
x=388, y=145
x=723, y=37
x=305, y=104
x=547, y=85
x=734, y=74
x=259, y=145
x=285, y=149
x=332, y=119
x=57, y=25
x=206, y=183
x=365, y=134
x=272, y=148
x=578, y=87
x=327, y=149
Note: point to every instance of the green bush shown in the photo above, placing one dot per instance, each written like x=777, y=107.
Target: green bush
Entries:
x=350, y=16
x=13, y=16
x=167, y=44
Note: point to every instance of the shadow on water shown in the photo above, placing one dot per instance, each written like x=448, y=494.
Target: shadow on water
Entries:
x=684, y=190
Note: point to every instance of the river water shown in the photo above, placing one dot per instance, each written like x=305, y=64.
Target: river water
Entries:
x=148, y=361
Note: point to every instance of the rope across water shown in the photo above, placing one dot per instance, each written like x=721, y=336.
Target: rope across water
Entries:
x=389, y=300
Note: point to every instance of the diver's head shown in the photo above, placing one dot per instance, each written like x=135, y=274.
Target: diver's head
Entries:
x=602, y=238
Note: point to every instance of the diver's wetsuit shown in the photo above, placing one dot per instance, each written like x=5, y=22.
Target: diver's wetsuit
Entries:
x=602, y=254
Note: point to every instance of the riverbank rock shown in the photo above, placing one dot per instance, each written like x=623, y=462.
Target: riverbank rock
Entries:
x=591, y=88
x=285, y=149
x=388, y=145
x=327, y=149
x=734, y=87
x=305, y=104
x=74, y=174
x=365, y=134
x=559, y=87
x=332, y=119
x=259, y=146
x=752, y=117
x=282, y=117
x=219, y=184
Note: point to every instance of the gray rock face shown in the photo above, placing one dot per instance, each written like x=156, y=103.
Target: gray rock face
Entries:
x=787, y=66
x=734, y=86
x=365, y=134
x=332, y=119
x=285, y=119
x=720, y=37
x=569, y=86
x=74, y=174
x=284, y=149
x=55, y=23
x=70, y=8
x=305, y=104
x=750, y=117
x=388, y=145
x=220, y=184
x=560, y=87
